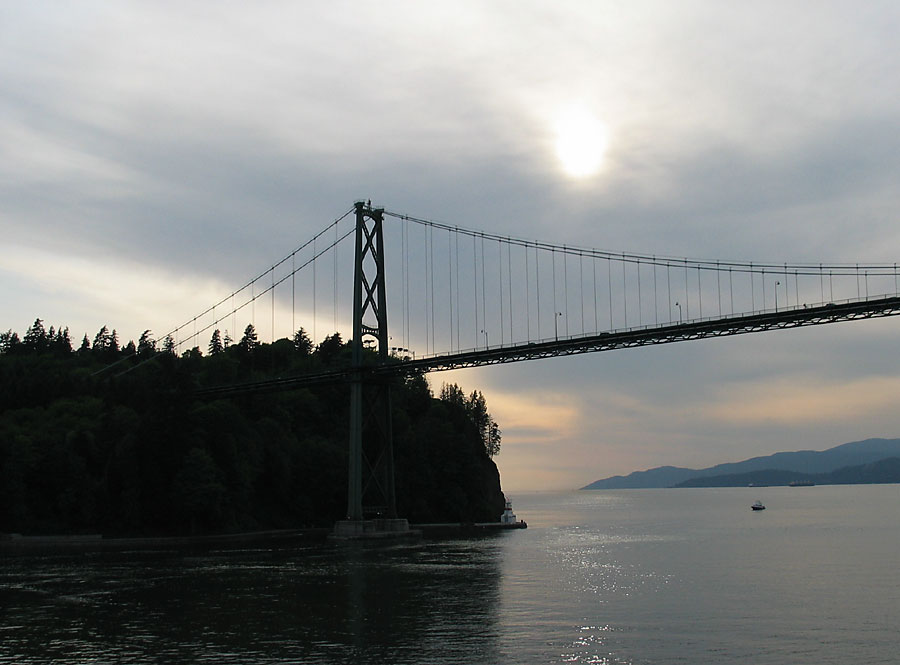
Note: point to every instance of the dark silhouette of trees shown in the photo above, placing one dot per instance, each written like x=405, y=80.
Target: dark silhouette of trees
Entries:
x=134, y=452
x=215, y=343
x=330, y=349
x=146, y=344
x=9, y=342
x=249, y=341
x=36, y=339
x=302, y=342
x=475, y=407
x=169, y=345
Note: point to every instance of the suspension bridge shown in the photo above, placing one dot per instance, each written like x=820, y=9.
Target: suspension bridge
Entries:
x=466, y=298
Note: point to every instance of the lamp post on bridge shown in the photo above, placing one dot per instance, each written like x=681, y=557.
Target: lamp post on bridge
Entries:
x=678, y=305
x=776, y=295
x=556, y=316
x=487, y=341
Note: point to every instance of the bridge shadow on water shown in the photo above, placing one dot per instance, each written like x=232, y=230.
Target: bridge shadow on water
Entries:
x=434, y=602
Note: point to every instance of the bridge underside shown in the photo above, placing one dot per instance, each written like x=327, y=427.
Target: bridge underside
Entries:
x=605, y=341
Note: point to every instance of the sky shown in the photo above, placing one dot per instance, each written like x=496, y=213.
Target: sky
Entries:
x=154, y=156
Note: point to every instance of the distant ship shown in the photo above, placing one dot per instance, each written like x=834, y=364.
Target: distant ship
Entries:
x=758, y=506
x=801, y=483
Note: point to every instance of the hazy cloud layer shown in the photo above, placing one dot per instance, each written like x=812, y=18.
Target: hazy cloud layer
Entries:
x=155, y=155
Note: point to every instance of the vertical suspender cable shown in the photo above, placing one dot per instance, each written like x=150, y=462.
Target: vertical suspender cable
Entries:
x=640, y=299
x=596, y=317
x=609, y=284
x=581, y=287
x=669, y=288
x=450, y=279
x=431, y=262
x=700, y=292
x=334, y=285
x=822, y=281
x=403, y=284
x=731, y=289
x=500, y=285
x=458, y=289
x=483, y=294
x=527, y=295
x=475, y=284
x=537, y=286
x=314, y=288
x=425, y=293
x=293, y=294
x=509, y=290
x=752, y=290
x=553, y=267
x=787, y=282
x=719, y=286
x=655, y=295
x=566, y=285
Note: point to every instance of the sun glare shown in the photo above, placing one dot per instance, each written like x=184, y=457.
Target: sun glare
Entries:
x=580, y=141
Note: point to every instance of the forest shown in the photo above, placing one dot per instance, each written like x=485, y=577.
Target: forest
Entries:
x=111, y=438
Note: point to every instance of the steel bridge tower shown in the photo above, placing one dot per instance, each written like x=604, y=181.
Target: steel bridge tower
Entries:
x=370, y=484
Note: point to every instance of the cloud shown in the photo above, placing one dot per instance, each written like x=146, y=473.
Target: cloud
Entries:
x=803, y=401
x=153, y=157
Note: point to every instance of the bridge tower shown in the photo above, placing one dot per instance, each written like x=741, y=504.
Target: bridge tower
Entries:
x=370, y=485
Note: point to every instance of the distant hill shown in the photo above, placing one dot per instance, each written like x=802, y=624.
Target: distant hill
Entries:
x=801, y=462
x=882, y=471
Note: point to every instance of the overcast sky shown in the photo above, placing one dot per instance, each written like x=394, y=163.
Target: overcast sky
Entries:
x=154, y=156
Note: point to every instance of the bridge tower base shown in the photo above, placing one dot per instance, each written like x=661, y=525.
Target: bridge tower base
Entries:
x=377, y=529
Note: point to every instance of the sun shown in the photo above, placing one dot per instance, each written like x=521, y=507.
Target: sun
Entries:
x=581, y=141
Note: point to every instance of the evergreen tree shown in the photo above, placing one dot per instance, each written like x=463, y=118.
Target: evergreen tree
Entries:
x=330, y=348
x=9, y=341
x=146, y=344
x=249, y=341
x=101, y=339
x=169, y=344
x=453, y=394
x=488, y=430
x=228, y=341
x=215, y=343
x=63, y=343
x=302, y=343
x=36, y=338
x=493, y=441
x=85, y=345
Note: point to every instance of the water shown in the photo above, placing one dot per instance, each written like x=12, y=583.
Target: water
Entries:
x=641, y=576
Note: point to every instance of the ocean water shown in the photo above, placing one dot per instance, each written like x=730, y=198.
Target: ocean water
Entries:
x=639, y=576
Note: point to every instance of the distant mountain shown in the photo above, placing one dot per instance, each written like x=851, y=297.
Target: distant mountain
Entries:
x=800, y=462
x=663, y=476
x=882, y=471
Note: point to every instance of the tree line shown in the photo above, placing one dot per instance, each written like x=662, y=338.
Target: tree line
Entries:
x=109, y=438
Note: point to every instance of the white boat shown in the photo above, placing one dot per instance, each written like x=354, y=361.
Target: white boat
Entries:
x=758, y=506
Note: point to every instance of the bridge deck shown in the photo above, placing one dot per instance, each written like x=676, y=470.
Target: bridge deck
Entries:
x=604, y=341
